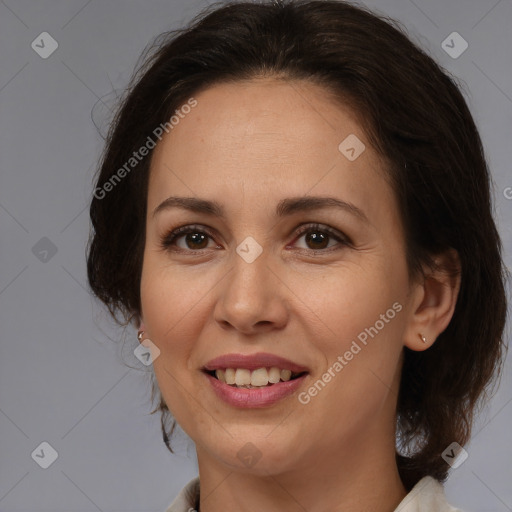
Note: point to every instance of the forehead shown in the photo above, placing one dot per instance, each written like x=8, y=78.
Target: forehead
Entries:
x=280, y=115
x=265, y=138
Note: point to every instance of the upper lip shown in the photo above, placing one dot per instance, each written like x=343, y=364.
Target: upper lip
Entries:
x=253, y=362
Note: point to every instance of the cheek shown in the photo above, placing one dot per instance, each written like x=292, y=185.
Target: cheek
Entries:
x=170, y=296
x=345, y=301
x=360, y=371
x=359, y=319
x=170, y=304
x=175, y=309
x=165, y=304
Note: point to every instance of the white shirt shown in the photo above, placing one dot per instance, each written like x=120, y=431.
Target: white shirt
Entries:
x=426, y=496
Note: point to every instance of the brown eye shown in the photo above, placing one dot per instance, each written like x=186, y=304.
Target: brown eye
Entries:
x=317, y=240
x=195, y=239
x=317, y=237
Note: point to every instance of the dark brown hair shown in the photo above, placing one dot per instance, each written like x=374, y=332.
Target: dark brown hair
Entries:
x=415, y=117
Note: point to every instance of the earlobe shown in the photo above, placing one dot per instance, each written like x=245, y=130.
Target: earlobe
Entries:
x=436, y=299
x=141, y=332
x=422, y=338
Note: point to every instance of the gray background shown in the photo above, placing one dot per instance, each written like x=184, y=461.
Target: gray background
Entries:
x=67, y=377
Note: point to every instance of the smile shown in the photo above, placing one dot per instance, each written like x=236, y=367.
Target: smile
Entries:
x=261, y=377
x=253, y=380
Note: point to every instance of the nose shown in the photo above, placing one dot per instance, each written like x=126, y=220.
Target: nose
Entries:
x=252, y=298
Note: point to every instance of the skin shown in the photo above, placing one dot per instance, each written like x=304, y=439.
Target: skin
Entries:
x=248, y=145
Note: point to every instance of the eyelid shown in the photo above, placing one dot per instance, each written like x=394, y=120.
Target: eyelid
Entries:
x=342, y=239
x=315, y=226
x=168, y=239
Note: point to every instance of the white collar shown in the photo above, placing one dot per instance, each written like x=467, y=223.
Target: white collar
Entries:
x=426, y=496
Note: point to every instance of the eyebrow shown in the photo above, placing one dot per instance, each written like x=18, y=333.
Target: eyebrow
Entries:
x=285, y=207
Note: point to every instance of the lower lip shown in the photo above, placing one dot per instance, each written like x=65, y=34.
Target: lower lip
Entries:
x=255, y=397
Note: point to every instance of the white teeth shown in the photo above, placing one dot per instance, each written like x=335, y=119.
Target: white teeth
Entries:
x=242, y=377
x=230, y=376
x=285, y=375
x=260, y=377
x=274, y=375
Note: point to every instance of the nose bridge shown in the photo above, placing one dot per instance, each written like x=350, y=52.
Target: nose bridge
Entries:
x=249, y=276
x=250, y=295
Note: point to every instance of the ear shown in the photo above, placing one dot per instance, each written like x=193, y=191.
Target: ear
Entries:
x=434, y=300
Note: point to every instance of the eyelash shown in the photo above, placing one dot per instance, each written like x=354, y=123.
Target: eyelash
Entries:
x=169, y=239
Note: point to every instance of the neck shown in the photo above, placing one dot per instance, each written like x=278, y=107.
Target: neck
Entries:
x=355, y=478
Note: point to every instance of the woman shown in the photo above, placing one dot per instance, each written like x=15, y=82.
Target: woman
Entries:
x=293, y=208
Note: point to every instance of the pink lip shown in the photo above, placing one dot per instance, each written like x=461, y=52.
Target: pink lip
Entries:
x=255, y=397
x=253, y=362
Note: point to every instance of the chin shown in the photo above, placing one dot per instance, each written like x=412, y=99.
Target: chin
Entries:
x=257, y=453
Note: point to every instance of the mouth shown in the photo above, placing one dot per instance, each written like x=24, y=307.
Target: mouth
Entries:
x=254, y=379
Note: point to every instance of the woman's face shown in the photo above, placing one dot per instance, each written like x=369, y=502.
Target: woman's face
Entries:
x=332, y=301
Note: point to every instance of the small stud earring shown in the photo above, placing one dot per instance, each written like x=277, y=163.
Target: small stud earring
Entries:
x=139, y=335
x=422, y=338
